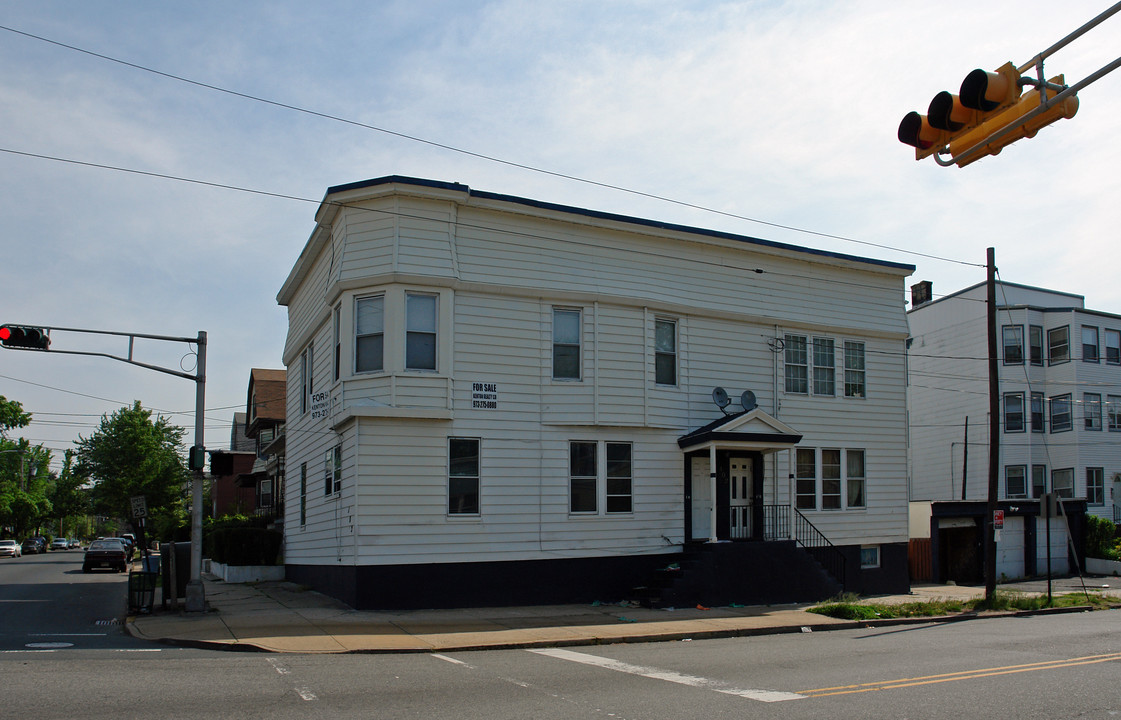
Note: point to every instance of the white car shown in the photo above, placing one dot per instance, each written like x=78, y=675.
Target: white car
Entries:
x=59, y=544
x=10, y=548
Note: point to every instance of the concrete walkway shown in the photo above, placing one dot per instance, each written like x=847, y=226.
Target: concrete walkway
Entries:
x=284, y=617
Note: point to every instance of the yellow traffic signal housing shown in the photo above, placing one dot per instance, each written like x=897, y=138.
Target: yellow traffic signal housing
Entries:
x=1010, y=116
x=950, y=116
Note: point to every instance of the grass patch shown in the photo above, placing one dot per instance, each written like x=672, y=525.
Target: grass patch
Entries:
x=847, y=607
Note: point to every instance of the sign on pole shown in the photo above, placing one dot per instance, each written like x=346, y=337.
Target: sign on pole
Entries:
x=139, y=507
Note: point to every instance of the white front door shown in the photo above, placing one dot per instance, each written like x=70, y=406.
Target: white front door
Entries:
x=740, y=502
x=701, y=494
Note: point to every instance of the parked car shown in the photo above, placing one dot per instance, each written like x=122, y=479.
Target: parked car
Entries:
x=60, y=544
x=75, y=543
x=10, y=548
x=108, y=553
x=31, y=546
x=126, y=542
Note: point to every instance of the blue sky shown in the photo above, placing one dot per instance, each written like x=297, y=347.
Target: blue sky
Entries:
x=781, y=112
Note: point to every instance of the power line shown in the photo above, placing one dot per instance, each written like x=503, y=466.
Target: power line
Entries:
x=462, y=151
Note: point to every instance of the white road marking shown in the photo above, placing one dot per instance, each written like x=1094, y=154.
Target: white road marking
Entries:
x=280, y=669
x=306, y=694
x=450, y=659
x=669, y=676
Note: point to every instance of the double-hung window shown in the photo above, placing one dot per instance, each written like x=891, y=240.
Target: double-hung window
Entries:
x=830, y=479
x=824, y=366
x=1058, y=345
x=338, y=340
x=589, y=477
x=796, y=364
x=1113, y=347
x=307, y=361
x=303, y=494
x=1038, y=480
x=369, y=335
x=1013, y=412
x=854, y=369
x=1013, y=337
x=333, y=470
x=1113, y=412
x=805, y=483
x=855, y=479
x=1062, y=482
x=566, y=344
x=1089, y=344
x=1060, y=414
x=1092, y=410
x=1037, y=403
x=463, y=476
x=1095, y=486
x=1015, y=481
x=1035, y=344
x=665, y=352
x=420, y=331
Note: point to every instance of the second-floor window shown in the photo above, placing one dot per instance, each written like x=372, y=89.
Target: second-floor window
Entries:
x=1013, y=412
x=420, y=331
x=566, y=344
x=307, y=363
x=1060, y=413
x=1015, y=481
x=665, y=352
x=1035, y=344
x=1092, y=410
x=1037, y=403
x=854, y=369
x=1113, y=347
x=1113, y=412
x=369, y=336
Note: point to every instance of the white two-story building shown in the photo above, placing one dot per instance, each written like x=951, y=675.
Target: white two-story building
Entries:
x=497, y=400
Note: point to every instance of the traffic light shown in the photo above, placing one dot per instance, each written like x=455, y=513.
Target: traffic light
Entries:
x=987, y=103
x=28, y=338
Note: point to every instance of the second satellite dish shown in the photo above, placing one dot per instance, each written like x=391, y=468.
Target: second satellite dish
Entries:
x=748, y=400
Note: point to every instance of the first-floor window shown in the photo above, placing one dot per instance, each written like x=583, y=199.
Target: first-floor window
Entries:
x=582, y=477
x=1095, y=486
x=333, y=470
x=855, y=478
x=303, y=493
x=463, y=476
x=1038, y=480
x=600, y=469
x=1015, y=481
x=830, y=479
x=1062, y=482
x=805, y=487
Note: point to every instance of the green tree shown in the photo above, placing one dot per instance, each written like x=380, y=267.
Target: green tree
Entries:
x=69, y=498
x=25, y=478
x=132, y=454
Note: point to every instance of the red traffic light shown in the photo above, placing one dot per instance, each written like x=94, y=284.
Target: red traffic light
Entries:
x=27, y=338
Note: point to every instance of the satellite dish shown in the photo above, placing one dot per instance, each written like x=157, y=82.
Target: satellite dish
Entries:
x=748, y=400
x=720, y=397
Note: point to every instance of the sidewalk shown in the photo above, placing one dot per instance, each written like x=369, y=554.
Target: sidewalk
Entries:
x=283, y=617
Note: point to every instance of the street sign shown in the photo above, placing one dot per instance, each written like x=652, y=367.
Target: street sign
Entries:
x=139, y=507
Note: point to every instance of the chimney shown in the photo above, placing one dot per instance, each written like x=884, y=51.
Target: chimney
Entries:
x=921, y=293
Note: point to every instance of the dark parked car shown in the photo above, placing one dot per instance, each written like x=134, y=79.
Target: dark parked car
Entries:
x=106, y=554
x=31, y=546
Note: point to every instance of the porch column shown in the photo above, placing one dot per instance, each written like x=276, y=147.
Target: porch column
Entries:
x=712, y=487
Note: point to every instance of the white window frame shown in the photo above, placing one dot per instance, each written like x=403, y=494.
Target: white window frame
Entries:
x=1053, y=345
x=460, y=473
x=856, y=484
x=1017, y=341
x=563, y=343
x=1019, y=475
x=1095, y=486
x=1091, y=351
x=805, y=472
x=856, y=376
x=1067, y=415
x=869, y=557
x=1038, y=480
x=1112, y=347
x=825, y=371
x=307, y=372
x=375, y=331
x=796, y=364
x=1092, y=411
x=604, y=492
x=1036, y=347
x=1062, y=482
x=420, y=327
x=1014, y=412
x=667, y=355
x=333, y=471
x=1113, y=412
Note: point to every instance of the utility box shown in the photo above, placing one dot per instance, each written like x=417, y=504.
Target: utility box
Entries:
x=175, y=560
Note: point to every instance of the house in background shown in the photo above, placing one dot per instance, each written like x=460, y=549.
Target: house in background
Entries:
x=1059, y=371
x=499, y=400
x=265, y=412
x=227, y=496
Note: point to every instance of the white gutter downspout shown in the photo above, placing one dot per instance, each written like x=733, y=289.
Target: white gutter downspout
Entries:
x=712, y=486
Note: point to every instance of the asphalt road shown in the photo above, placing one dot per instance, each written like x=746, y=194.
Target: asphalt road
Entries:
x=1052, y=666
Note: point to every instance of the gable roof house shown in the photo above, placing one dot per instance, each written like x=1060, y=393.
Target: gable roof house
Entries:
x=1059, y=377
x=498, y=400
x=266, y=411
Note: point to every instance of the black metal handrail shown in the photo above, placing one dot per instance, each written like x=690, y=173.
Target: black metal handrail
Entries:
x=825, y=552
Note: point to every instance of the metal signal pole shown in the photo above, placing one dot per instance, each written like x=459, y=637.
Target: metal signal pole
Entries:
x=994, y=432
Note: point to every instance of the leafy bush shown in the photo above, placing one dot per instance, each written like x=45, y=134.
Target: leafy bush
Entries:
x=1101, y=539
x=241, y=540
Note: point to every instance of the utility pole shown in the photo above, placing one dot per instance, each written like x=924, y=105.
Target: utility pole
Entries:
x=989, y=524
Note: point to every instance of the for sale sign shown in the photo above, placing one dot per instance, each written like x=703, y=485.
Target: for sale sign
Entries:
x=998, y=519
